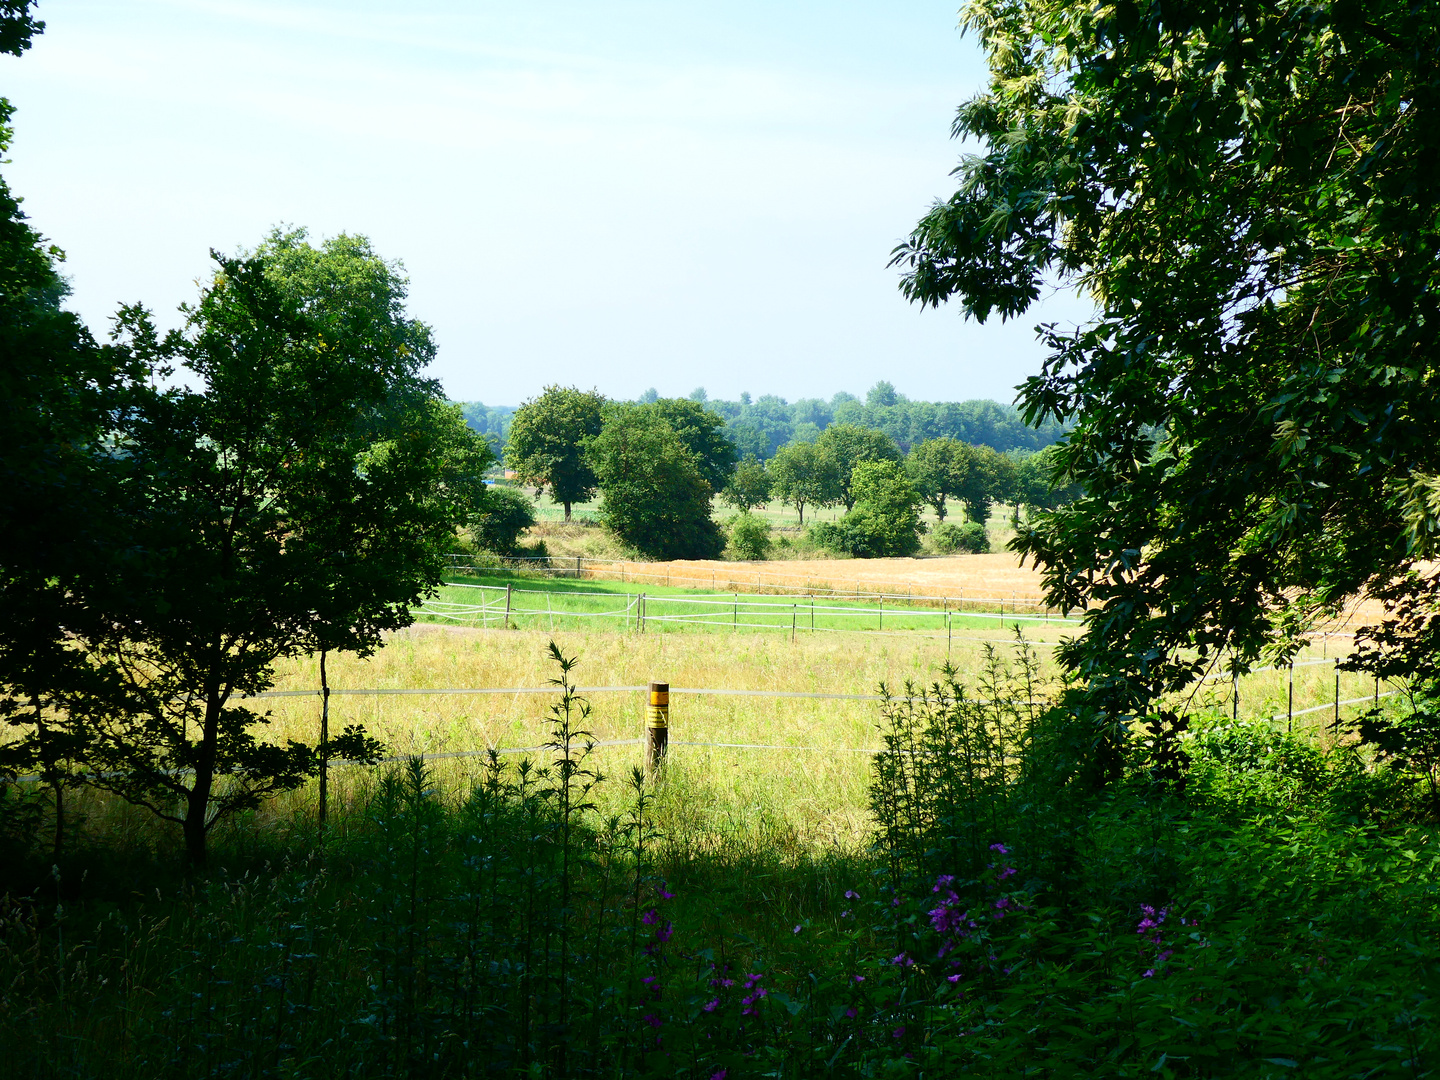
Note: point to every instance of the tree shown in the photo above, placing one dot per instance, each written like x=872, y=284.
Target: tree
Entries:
x=301, y=496
x=654, y=497
x=886, y=517
x=546, y=446
x=501, y=515
x=848, y=445
x=59, y=482
x=1250, y=194
x=749, y=486
x=989, y=477
x=803, y=474
x=940, y=469
x=702, y=432
x=1038, y=486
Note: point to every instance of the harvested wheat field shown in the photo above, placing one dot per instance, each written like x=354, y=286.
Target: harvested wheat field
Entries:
x=995, y=576
x=969, y=578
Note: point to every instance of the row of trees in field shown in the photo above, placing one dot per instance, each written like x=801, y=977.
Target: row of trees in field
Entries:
x=821, y=474
x=657, y=465
x=183, y=510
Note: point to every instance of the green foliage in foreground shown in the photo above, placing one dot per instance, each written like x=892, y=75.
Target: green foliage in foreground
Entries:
x=1248, y=906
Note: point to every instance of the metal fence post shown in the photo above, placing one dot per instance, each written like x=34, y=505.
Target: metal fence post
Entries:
x=507, y=606
x=1337, y=702
x=657, y=727
x=1290, y=702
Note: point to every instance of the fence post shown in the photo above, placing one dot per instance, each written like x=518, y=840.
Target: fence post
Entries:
x=1002, y=613
x=1235, y=695
x=794, y=611
x=507, y=606
x=642, y=612
x=1337, y=702
x=882, y=611
x=812, y=613
x=735, y=620
x=657, y=727
x=949, y=627
x=577, y=567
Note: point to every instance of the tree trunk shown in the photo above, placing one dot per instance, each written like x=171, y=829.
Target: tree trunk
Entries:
x=801, y=508
x=324, y=738
x=52, y=774
x=567, y=511
x=198, y=804
x=940, y=508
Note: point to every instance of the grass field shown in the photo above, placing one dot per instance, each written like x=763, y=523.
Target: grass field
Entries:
x=809, y=797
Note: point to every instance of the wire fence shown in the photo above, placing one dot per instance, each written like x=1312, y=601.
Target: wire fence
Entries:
x=1288, y=716
x=731, y=578
x=507, y=605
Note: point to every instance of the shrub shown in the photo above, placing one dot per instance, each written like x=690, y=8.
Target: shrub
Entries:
x=886, y=518
x=505, y=512
x=749, y=537
x=948, y=538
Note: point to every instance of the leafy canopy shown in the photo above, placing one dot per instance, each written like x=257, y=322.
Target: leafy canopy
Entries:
x=300, y=497
x=1250, y=193
x=848, y=445
x=547, y=437
x=654, y=497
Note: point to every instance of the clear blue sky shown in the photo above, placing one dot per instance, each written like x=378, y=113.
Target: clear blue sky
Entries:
x=619, y=195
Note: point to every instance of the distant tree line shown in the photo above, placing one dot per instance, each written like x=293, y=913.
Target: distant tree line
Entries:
x=759, y=427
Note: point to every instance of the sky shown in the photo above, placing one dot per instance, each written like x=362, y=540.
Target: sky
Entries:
x=621, y=195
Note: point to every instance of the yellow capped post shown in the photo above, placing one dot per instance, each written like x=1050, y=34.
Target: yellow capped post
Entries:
x=657, y=726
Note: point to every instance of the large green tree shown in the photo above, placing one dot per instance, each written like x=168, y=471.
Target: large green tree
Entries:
x=1250, y=193
x=749, y=485
x=940, y=469
x=547, y=439
x=886, y=518
x=654, y=496
x=298, y=493
x=59, y=479
x=803, y=474
x=703, y=433
x=848, y=445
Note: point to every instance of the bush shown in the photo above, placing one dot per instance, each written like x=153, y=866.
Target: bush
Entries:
x=886, y=518
x=948, y=538
x=749, y=537
x=505, y=513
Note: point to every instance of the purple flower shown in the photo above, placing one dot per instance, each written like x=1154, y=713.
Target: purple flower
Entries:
x=1149, y=974
x=859, y=978
x=850, y=1012
x=851, y=894
x=720, y=1075
x=664, y=933
x=651, y=1019
x=797, y=929
x=845, y=914
x=952, y=978
x=712, y=1005
x=648, y=979
x=665, y=895
x=944, y=881
x=899, y=1032
x=650, y=917
x=903, y=960
x=1001, y=848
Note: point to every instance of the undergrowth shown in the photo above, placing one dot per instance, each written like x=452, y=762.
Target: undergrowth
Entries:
x=1240, y=903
